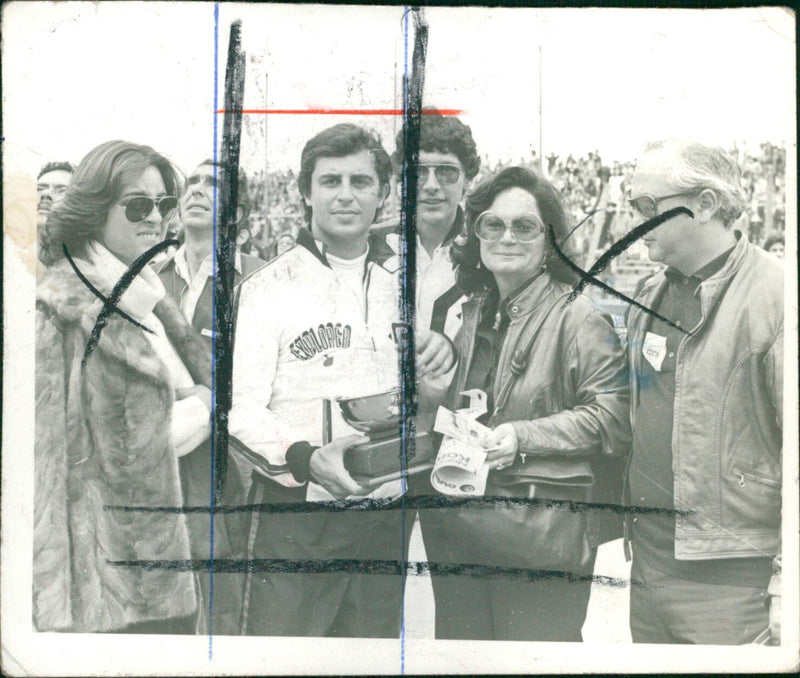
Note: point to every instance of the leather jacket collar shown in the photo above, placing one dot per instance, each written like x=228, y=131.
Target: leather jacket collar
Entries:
x=714, y=285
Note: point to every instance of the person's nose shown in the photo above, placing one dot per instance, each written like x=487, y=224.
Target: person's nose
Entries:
x=154, y=217
x=431, y=183
x=46, y=192
x=196, y=191
x=345, y=193
x=508, y=236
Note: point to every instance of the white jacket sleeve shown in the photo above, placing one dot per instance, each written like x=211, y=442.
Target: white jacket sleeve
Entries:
x=257, y=432
x=191, y=424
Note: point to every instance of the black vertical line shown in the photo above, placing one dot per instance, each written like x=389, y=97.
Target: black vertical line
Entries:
x=225, y=251
x=412, y=116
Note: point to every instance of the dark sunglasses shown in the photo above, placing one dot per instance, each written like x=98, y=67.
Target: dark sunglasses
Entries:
x=137, y=209
x=490, y=227
x=446, y=175
x=647, y=205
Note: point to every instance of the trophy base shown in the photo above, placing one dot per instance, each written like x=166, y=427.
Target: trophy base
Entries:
x=381, y=458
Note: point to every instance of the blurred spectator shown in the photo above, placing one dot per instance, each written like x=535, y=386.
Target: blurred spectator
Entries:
x=284, y=242
x=775, y=245
x=51, y=187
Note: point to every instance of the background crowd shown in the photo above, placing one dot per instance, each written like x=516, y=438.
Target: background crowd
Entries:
x=594, y=192
x=587, y=183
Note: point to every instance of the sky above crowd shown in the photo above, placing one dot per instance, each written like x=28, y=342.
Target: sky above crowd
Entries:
x=78, y=74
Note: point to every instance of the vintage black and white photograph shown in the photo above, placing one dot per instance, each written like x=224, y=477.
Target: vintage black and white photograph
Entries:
x=351, y=339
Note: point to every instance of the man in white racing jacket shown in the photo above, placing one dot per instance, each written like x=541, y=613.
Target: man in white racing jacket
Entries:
x=319, y=322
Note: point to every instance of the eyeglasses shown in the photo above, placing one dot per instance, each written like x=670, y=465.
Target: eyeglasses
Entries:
x=137, y=209
x=647, y=205
x=490, y=227
x=446, y=175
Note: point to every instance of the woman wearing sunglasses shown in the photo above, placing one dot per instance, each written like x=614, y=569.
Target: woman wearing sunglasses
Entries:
x=558, y=408
x=111, y=420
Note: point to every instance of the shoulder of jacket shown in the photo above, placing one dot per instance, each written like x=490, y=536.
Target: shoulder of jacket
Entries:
x=293, y=265
x=62, y=292
x=251, y=264
x=387, y=233
x=766, y=270
x=582, y=311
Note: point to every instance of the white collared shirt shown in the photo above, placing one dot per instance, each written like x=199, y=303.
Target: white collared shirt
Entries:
x=435, y=276
x=195, y=285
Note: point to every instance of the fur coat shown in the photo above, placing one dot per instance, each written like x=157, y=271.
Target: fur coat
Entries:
x=102, y=440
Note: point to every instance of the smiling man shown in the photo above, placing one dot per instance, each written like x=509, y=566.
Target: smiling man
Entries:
x=188, y=277
x=707, y=409
x=317, y=323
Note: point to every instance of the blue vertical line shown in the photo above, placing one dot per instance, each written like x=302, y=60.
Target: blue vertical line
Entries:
x=212, y=464
x=404, y=431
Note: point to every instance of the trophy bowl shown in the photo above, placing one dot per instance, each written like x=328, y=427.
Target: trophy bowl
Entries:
x=378, y=460
x=373, y=414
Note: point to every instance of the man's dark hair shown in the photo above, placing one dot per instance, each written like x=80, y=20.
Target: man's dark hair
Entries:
x=773, y=240
x=465, y=252
x=337, y=142
x=443, y=134
x=54, y=166
x=243, y=193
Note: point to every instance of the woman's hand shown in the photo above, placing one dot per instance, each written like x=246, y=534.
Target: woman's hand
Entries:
x=503, y=447
x=202, y=392
x=434, y=354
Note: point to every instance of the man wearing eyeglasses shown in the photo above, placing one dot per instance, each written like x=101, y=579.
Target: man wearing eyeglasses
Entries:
x=188, y=277
x=448, y=161
x=706, y=407
x=51, y=187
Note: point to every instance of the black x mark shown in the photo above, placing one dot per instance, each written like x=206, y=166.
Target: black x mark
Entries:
x=110, y=302
x=616, y=249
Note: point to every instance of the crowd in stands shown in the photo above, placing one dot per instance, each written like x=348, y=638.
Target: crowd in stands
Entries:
x=587, y=183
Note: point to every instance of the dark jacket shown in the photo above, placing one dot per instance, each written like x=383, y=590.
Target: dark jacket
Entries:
x=727, y=431
x=195, y=466
x=176, y=287
x=195, y=472
x=569, y=403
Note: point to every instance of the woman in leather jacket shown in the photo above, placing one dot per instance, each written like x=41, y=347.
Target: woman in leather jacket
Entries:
x=554, y=374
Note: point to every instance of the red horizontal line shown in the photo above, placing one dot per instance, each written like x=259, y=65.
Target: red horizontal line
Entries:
x=339, y=111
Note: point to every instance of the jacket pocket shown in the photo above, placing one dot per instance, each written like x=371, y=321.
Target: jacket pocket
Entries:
x=552, y=470
x=744, y=477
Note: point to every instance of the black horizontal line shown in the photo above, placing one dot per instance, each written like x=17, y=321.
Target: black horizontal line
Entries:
x=410, y=503
x=354, y=566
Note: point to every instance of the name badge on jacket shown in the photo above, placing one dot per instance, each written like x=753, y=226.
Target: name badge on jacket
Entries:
x=654, y=350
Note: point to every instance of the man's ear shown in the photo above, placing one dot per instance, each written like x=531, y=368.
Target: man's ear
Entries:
x=709, y=204
x=385, y=194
